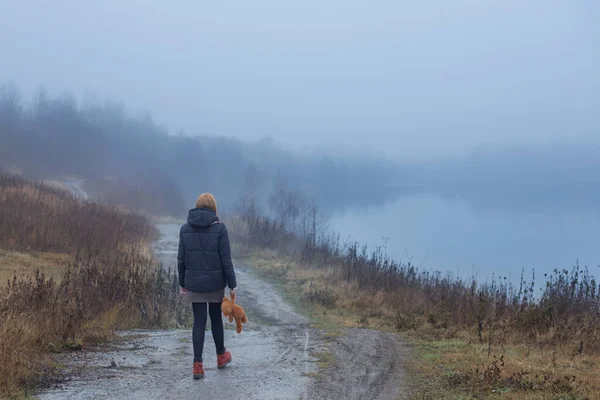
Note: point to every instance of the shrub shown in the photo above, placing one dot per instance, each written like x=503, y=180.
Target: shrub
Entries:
x=111, y=282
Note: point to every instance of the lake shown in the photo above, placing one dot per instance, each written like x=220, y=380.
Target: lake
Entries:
x=482, y=232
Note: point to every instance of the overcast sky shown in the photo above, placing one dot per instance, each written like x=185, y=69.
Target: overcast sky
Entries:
x=409, y=78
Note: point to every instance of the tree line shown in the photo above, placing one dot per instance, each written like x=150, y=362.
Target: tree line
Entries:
x=133, y=161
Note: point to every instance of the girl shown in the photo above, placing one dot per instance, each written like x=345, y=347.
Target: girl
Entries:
x=205, y=268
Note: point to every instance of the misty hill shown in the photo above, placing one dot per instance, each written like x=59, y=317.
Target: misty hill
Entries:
x=130, y=160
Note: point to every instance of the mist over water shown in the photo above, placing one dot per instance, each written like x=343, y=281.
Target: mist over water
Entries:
x=456, y=234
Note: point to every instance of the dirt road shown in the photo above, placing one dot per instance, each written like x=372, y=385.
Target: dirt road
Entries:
x=272, y=359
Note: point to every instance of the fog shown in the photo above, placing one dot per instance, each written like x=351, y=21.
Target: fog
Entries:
x=410, y=80
x=463, y=134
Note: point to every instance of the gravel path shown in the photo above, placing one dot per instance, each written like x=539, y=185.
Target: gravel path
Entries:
x=272, y=358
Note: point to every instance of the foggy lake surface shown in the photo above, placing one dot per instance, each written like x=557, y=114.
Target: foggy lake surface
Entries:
x=451, y=234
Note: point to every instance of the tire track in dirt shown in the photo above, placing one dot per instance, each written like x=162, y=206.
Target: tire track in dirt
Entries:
x=369, y=365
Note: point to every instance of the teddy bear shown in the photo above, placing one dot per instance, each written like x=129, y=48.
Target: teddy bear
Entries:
x=229, y=308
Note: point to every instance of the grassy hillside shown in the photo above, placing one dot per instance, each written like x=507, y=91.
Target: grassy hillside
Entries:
x=36, y=217
x=472, y=341
x=76, y=271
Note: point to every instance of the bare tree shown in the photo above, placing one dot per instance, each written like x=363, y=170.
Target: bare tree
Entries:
x=285, y=204
x=250, y=199
x=40, y=104
x=315, y=221
x=10, y=103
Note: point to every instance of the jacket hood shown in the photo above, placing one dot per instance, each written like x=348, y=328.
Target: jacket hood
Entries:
x=201, y=217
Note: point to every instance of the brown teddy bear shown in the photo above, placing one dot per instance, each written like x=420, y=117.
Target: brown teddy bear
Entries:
x=229, y=308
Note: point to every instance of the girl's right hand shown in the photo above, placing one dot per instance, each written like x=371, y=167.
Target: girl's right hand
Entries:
x=182, y=290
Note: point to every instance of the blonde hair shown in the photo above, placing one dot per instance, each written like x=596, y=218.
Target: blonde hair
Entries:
x=207, y=200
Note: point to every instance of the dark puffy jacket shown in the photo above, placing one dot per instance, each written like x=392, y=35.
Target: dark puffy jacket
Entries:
x=204, y=258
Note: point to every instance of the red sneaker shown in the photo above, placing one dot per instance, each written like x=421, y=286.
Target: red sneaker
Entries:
x=223, y=360
x=198, y=370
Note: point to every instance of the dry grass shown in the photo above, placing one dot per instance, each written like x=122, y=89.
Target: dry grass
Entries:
x=25, y=264
x=40, y=315
x=563, y=308
x=448, y=363
x=457, y=369
x=473, y=341
x=37, y=217
x=98, y=275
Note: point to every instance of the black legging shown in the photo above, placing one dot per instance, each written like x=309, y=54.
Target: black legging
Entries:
x=216, y=323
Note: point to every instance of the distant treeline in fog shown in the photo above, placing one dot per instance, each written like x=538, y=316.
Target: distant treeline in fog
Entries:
x=135, y=162
x=129, y=159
